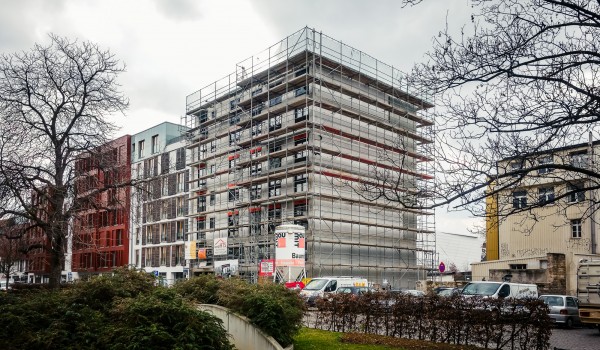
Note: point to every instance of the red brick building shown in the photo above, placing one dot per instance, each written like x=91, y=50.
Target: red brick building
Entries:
x=103, y=201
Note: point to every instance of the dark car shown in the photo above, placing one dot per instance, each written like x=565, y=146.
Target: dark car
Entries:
x=448, y=292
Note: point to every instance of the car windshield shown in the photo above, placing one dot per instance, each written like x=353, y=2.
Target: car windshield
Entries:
x=445, y=292
x=316, y=284
x=481, y=288
x=552, y=301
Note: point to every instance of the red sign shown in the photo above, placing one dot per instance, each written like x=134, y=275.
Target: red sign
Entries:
x=442, y=267
x=266, y=267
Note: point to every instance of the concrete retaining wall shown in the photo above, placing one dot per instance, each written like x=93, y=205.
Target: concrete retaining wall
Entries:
x=245, y=335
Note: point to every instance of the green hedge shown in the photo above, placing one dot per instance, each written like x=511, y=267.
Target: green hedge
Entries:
x=273, y=308
x=122, y=311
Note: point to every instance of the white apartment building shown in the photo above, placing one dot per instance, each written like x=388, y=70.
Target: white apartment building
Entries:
x=159, y=206
x=287, y=138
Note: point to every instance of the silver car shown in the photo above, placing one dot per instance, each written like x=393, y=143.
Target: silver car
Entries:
x=564, y=309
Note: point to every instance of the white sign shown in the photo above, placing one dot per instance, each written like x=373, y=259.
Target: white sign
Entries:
x=289, y=245
x=226, y=268
x=220, y=246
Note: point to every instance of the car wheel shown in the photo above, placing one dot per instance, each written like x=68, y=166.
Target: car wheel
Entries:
x=569, y=323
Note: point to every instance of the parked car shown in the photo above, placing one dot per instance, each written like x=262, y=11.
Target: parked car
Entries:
x=413, y=292
x=564, y=309
x=354, y=290
x=448, y=292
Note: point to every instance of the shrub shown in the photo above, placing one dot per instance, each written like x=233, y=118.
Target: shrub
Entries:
x=163, y=320
x=271, y=307
x=202, y=289
x=120, y=311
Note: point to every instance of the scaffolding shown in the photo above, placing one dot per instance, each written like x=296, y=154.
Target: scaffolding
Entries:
x=290, y=137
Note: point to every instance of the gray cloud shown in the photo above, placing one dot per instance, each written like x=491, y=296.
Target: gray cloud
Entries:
x=179, y=9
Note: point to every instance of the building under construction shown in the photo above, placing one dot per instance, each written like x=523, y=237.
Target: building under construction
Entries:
x=310, y=132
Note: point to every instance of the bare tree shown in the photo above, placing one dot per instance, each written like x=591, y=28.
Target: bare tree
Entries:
x=13, y=245
x=521, y=80
x=54, y=103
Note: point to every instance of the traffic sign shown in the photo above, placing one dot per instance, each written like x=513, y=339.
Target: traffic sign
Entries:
x=442, y=267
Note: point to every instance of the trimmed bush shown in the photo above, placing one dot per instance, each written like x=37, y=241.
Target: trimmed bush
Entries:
x=122, y=311
x=273, y=308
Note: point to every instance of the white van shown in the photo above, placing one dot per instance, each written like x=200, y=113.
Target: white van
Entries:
x=491, y=289
x=317, y=287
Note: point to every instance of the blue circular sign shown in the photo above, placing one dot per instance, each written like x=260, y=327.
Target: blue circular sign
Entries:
x=442, y=267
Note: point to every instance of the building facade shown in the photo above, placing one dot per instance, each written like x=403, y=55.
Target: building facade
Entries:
x=100, y=239
x=290, y=138
x=546, y=216
x=160, y=203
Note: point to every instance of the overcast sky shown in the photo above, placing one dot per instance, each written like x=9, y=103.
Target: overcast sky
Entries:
x=174, y=47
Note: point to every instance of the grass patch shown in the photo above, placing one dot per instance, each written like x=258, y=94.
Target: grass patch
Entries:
x=316, y=339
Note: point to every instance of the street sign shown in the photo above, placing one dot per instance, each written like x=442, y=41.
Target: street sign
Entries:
x=155, y=273
x=442, y=267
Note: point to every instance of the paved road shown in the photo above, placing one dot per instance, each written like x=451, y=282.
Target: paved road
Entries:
x=575, y=339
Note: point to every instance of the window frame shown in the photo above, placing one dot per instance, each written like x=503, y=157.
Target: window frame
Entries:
x=519, y=199
x=576, y=226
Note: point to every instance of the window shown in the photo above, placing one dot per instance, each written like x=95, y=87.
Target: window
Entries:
x=300, y=114
x=274, y=123
x=213, y=146
x=274, y=163
x=575, y=193
x=234, y=119
x=519, y=199
x=274, y=188
x=516, y=166
x=255, y=192
x=133, y=149
x=275, y=101
x=256, y=152
x=203, y=116
x=180, y=158
x=233, y=219
x=300, y=183
x=234, y=137
x=256, y=110
x=164, y=163
x=200, y=224
x=300, y=139
x=256, y=92
x=234, y=194
x=257, y=128
x=255, y=169
x=213, y=168
x=233, y=103
x=543, y=161
x=576, y=228
x=579, y=159
x=301, y=90
x=180, y=182
x=274, y=147
x=232, y=162
x=300, y=156
x=211, y=223
x=300, y=208
x=154, y=144
x=141, y=149
x=212, y=199
x=518, y=266
x=546, y=195
x=255, y=225
x=201, y=204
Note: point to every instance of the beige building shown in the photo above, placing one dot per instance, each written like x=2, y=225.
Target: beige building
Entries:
x=547, y=214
